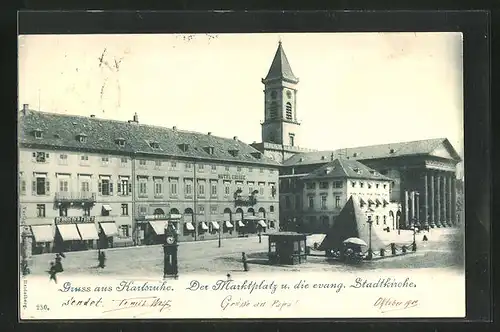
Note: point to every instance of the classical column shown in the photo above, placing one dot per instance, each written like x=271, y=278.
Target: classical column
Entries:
x=454, y=200
x=426, y=199
x=450, y=201
x=438, y=200
x=432, y=221
x=412, y=200
x=417, y=210
x=444, y=217
x=406, y=208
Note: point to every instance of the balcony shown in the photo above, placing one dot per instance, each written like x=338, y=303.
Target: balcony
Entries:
x=75, y=197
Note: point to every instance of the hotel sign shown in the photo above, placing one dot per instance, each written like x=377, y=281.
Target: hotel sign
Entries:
x=74, y=220
x=232, y=177
x=160, y=217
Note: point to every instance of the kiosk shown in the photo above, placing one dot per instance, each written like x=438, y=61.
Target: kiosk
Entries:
x=287, y=248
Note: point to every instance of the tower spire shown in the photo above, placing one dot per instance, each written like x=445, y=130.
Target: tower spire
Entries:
x=280, y=67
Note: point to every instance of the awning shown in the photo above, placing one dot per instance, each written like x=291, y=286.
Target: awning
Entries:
x=215, y=224
x=106, y=207
x=253, y=218
x=378, y=201
x=109, y=228
x=189, y=226
x=385, y=202
x=42, y=233
x=69, y=232
x=203, y=225
x=240, y=223
x=158, y=226
x=370, y=201
x=262, y=223
x=228, y=224
x=362, y=201
x=87, y=231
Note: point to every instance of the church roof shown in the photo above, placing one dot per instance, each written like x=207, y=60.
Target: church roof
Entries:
x=61, y=131
x=345, y=168
x=433, y=147
x=280, y=67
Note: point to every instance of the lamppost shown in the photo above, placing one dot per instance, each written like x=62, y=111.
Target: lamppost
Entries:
x=414, y=244
x=220, y=227
x=369, y=256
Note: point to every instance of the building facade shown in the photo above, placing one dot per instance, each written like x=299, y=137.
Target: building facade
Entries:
x=423, y=172
x=86, y=183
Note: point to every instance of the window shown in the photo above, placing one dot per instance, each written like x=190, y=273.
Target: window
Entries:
x=250, y=169
x=289, y=111
x=158, y=187
x=323, y=202
x=85, y=186
x=86, y=211
x=261, y=170
x=157, y=163
x=124, y=231
x=188, y=188
x=154, y=145
x=273, y=110
x=337, y=201
x=226, y=168
x=173, y=188
x=105, y=161
x=213, y=209
x=213, y=188
x=385, y=220
x=261, y=189
x=250, y=187
x=124, y=187
x=323, y=185
x=41, y=157
x=84, y=160
x=238, y=169
x=337, y=184
x=120, y=142
x=201, y=209
x=385, y=186
x=361, y=184
x=41, y=185
x=82, y=138
x=124, y=209
x=201, y=167
x=40, y=210
x=63, y=159
x=142, y=162
x=38, y=134
x=369, y=185
x=123, y=162
x=377, y=185
x=311, y=202
x=22, y=186
x=173, y=164
x=291, y=138
x=214, y=168
x=377, y=220
x=311, y=185
x=105, y=186
x=227, y=188
x=63, y=211
x=201, y=188
x=143, y=187
x=143, y=210
x=188, y=165
x=63, y=185
x=271, y=208
x=353, y=184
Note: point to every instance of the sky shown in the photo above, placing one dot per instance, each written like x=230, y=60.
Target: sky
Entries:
x=355, y=89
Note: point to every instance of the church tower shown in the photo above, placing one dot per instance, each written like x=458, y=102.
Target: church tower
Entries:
x=280, y=124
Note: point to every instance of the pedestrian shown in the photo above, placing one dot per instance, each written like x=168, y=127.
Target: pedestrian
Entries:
x=244, y=260
x=58, y=264
x=424, y=238
x=53, y=272
x=260, y=238
x=102, y=259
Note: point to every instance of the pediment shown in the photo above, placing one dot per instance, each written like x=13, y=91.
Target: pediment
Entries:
x=446, y=151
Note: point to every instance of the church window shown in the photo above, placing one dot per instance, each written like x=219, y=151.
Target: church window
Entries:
x=288, y=111
x=292, y=139
x=273, y=110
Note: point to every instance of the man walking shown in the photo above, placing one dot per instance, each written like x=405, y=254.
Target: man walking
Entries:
x=244, y=260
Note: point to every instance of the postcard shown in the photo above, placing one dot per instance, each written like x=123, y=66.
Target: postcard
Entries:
x=265, y=175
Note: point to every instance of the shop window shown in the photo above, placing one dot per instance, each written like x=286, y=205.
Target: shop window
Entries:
x=63, y=211
x=40, y=210
x=124, y=209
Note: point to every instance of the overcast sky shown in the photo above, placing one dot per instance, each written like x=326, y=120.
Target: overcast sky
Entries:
x=354, y=90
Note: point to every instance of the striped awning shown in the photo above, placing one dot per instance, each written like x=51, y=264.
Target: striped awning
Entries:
x=158, y=226
x=370, y=201
x=189, y=226
x=228, y=224
x=109, y=228
x=69, y=232
x=385, y=201
x=378, y=201
x=262, y=223
x=203, y=225
x=240, y=223
x=87, y=231
x=362, y=201
x=215, y=224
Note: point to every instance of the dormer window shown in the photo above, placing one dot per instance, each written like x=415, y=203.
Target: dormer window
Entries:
x=184, y=147
x=154, y=145
x=82, y=138
x=209, y=150
x=233, y=152
x=328, y=170
x=391, y=151
x=38, y=133
x=256, y=155
x=120, y=141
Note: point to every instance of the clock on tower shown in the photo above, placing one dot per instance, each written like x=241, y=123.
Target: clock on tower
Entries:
x=170, y=246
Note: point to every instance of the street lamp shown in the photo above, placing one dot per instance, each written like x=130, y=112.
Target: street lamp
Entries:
x=369, y=256
x=414, y=244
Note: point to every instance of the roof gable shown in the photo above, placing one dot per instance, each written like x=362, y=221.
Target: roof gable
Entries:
x=344, y=168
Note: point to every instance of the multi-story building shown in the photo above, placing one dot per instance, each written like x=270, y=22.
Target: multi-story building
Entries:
x=423, y=172
x=326, y=190
x=88, y=182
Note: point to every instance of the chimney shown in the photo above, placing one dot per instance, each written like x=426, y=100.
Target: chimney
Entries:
x=136, y=118
x=235, y=138
x=92, y=115
x=209, y=133
x=174, y=128
x=25, y=108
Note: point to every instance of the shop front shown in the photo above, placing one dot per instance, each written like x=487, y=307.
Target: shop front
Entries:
x=107, y=232
x=43, y=238
x=153, y=227
x=75, y=233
